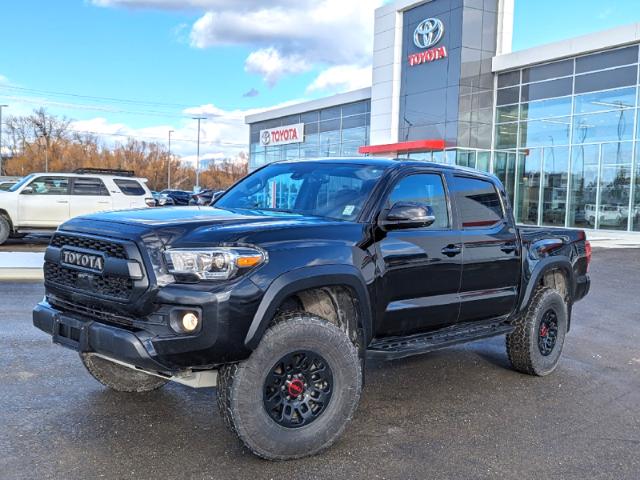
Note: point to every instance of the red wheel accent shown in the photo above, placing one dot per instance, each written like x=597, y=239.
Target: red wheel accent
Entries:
x=295, y=387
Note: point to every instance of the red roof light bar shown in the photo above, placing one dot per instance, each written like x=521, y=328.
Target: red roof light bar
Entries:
x=413, y=146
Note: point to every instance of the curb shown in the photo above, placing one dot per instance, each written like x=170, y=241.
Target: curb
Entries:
x=14, y=274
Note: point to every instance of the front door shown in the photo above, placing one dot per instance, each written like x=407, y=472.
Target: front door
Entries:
x=420, y=267
x=491, y=253
x=44, y=202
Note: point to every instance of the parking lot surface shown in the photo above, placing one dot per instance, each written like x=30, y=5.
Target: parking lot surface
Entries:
x=28, y=244
x=459, y=413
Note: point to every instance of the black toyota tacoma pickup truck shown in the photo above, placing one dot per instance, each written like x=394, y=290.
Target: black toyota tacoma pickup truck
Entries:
x=298, y=275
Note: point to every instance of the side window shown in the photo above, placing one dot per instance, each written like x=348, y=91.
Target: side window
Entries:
x=50, y=186
x=89, y=187
x=427, y=189
x=130, y=187
x=478, y=202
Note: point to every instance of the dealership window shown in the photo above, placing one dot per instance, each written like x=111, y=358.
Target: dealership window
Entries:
x=551, y=131
x=555, y=107
x=547, y=71
x=504, y=168
x=620, y=77
x=635, y=213
x=611, y=58
x=508, y=113
x=505, y=96
x=507, y=135
x=548, y=89
x=584, y=186
x=555, y=180
x=603, y=127
x=528, y=189
x=608, y=100
x=509, y=79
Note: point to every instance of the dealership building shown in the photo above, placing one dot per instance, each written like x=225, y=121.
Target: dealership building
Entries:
x=558, y=123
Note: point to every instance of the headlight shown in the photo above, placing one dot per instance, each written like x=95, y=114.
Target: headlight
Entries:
x=218, y=263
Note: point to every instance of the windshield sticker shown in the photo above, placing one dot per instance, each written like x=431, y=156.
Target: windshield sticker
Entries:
x=348, y=210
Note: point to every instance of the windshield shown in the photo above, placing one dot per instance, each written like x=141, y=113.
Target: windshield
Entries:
x=321, y=189
x=21, y=183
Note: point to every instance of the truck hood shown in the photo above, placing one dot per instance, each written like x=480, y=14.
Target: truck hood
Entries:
x=199, y=226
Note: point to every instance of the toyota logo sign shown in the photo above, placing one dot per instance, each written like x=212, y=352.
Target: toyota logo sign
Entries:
x=428, y=33
x=265, y=137
x=282, y=135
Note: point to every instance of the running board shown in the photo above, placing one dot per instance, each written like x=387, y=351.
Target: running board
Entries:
x=391, y=348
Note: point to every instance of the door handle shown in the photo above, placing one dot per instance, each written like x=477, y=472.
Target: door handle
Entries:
x=508, y=247
x=451, y=250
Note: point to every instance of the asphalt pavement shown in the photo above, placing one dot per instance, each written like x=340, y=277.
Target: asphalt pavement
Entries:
x=459, y=413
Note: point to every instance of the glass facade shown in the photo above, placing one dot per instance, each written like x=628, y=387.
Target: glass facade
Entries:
x=330, y=132
x=566, y=141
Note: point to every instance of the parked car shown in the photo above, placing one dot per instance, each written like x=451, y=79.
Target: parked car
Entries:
x=7, y=184
x=280, y=300
x=42, y=201
x=610, y=215
x=205, y=197
x=179, y=197
x=162, y=200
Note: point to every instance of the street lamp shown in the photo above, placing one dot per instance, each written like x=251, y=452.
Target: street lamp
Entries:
x=197, y=187
x=1, y=107
x=169, y=162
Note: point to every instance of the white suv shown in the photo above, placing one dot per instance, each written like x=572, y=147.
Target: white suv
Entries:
x=42, y=201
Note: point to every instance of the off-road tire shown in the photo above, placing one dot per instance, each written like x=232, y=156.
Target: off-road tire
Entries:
x=241, y=388
x=5, y=229
x=522, y=344
x=120, y=378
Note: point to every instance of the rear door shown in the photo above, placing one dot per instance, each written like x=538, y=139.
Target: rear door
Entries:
x=44, y=202
x=88, y=195
x=420, y=267
x=491, y=253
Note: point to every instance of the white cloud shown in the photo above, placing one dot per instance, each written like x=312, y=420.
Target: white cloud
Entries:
x=3, y=79
x=287, y=36
x=341, y=78
x=271, y=65
x=223, y=133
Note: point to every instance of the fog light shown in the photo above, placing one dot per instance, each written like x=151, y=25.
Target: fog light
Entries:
x=189, y=322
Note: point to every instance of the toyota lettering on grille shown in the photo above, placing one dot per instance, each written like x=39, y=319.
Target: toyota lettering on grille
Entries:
x=83, y=260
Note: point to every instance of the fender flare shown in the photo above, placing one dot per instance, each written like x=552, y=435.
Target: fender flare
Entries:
x=543, y=266
x=303, y=279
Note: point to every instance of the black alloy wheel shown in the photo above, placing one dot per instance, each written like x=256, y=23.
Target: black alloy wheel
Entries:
x=548, y=333
x=298, y=389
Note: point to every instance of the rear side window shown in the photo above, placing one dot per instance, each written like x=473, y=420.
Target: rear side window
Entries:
x=426, y=189
x=478, y=202
x=89, y=187
x=130, y=187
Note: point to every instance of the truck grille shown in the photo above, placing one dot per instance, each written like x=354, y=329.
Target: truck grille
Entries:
x=108, y=248
x=105, y=284
x=93, y=311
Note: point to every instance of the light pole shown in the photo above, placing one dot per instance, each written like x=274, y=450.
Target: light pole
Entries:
x=169, y=163
x=1, y=107
x=197, y=187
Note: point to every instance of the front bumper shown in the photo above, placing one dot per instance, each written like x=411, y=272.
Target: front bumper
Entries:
x=88, y=336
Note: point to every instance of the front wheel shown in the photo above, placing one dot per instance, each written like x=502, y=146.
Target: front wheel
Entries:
x=118, y=377
x=535, y=346
x=5, y=229
x=296, y=393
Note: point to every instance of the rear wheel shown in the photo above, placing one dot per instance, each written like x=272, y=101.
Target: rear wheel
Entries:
x=296, y=393
x=535, y=346
x=120, y=378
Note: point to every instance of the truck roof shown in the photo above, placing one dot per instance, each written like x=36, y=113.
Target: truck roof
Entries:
x=389, y=162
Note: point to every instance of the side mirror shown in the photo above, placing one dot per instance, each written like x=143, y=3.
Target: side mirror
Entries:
x=404, y=215
x=27, y=191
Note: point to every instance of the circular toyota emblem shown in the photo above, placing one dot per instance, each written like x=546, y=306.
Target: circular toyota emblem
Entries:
x=265, y=138
x=428, y=33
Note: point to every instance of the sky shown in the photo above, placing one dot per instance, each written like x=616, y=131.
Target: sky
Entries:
x=143, y=67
